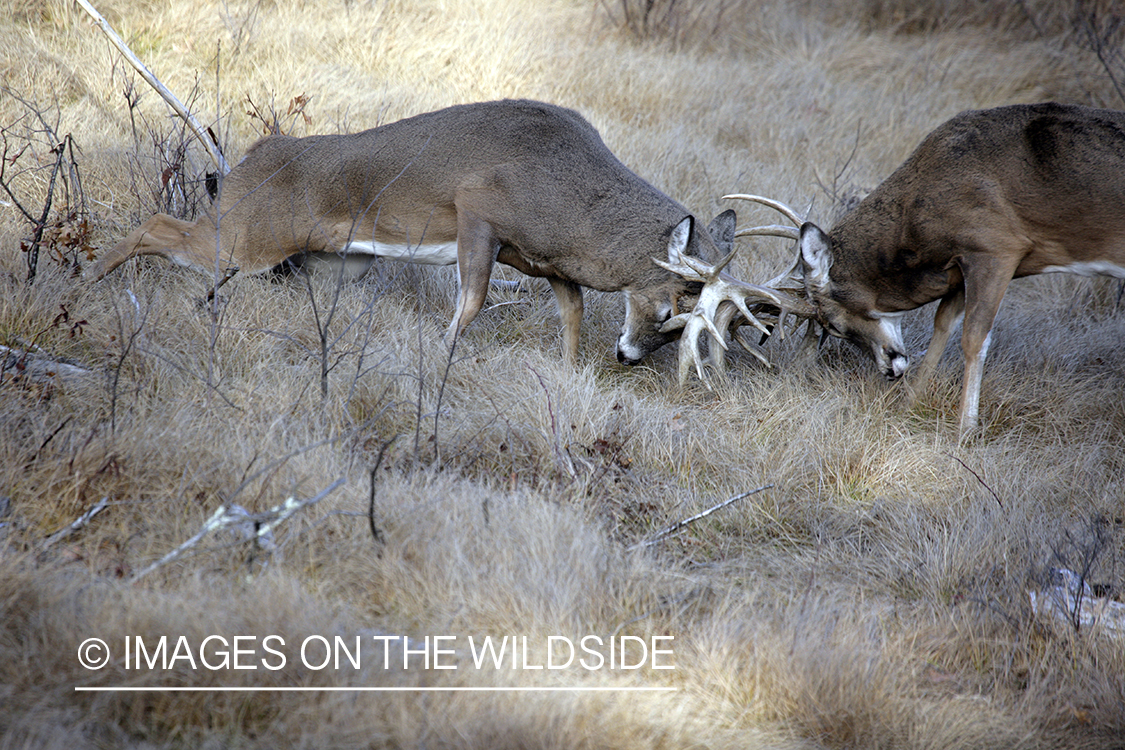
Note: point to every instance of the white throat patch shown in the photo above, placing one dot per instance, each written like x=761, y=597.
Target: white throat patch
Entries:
x=891, y=326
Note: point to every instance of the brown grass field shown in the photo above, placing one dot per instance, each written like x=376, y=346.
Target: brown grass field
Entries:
x=875, y=595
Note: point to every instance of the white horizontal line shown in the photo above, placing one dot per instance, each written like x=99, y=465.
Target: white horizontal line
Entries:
x=252, y=689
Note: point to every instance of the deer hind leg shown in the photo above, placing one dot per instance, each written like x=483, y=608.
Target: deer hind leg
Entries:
x=183, y=242
x=948, y=313
x=477, y=248
x=569, y=298
x=986, y=280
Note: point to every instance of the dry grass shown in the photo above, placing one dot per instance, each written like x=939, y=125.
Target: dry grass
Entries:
x=875, y=596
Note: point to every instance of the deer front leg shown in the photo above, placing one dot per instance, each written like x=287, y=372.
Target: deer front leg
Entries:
x=569, y=297
x=948, y=313
x=476, y=252
x=986, y=280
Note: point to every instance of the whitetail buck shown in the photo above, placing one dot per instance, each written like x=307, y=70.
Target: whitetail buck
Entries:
x=525, y=183
x=989, y=196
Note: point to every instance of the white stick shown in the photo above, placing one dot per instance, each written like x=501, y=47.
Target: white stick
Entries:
x=176, y=104
x=668, y=530
x=78, y=523
x=229, y=516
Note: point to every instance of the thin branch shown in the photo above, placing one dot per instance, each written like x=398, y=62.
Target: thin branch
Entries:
x=979, y=479
x=375, y=533
x=200, y=132
x=669, y=530
x=225, y=516
x=568, y=464
x=78, y=523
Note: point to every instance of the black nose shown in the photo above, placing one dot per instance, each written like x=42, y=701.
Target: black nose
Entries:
x=625, y=360
x=893, y=357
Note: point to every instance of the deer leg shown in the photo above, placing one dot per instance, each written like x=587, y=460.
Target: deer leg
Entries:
x=183, y=242
x=986, y=280
x=948, y=313
x=569, y=298
x=476, y=252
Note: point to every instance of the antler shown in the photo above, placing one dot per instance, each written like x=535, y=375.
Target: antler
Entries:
x=722, y=297
x=791, y=280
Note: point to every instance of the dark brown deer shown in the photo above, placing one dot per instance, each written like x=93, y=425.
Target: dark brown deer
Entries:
x=989, y=196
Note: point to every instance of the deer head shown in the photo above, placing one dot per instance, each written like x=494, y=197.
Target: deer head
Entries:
x=648, y=310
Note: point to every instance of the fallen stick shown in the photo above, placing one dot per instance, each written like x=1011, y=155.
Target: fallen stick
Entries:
x=77, y=523
x=200, y=132
x=234, y=515
x=669, y=530
x=37, y=363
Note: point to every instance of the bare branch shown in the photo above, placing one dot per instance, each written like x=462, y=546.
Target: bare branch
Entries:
x=669, y=530
x=77, y=524
x=200, y=132
x=235, y=515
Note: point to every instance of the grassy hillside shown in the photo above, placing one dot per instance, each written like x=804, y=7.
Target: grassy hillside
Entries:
x=874, y=594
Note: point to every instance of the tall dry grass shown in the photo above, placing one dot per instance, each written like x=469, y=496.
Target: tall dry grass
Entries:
x=874, y=596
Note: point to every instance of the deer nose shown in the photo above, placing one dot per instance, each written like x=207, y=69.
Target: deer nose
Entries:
x=897, y=362
x=628, y=353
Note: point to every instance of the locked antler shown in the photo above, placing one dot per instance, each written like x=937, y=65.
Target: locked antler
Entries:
x=723, y=297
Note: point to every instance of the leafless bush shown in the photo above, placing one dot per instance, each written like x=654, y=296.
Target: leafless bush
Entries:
x=677, y=21
x=162, y=175
x=1088, y=551
x=35, y=161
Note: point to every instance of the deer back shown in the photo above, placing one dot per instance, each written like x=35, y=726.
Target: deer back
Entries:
x=1046, y=181
x=540, y=175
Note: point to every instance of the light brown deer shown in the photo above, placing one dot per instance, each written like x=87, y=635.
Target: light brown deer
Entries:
x=989, y=196
x=524, y=183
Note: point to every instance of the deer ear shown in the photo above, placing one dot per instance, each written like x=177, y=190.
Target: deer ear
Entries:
x=816, y=254
x=721, y=230
x=678, y=242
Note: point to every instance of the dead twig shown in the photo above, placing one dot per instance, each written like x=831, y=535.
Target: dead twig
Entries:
x=979, y=479
x=77, y=524
x=375, y=533
x=669, y=530
x=226, y=516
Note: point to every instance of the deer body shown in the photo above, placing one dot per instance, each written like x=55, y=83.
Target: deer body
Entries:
x=525, y=183
x=989, y=196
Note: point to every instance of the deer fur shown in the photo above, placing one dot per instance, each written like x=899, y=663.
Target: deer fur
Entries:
x=524, y=183
x=987, y=197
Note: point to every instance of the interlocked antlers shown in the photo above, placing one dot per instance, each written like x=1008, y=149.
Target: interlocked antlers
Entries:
x=723, y=297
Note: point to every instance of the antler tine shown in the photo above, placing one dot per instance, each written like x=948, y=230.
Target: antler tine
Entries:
x=771, y=230
x=695, y=269
x=718, y=267
x=776, y=205
x=723, y=297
